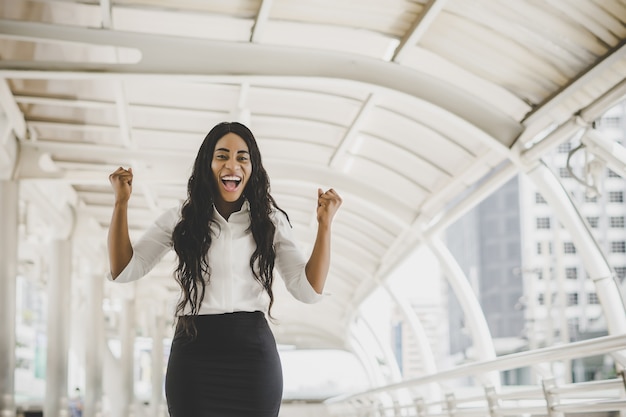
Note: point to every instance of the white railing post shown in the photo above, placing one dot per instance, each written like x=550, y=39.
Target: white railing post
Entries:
x=492, y=400
x=370, y=410
x=551, y=398
x=420, y=408
x=622, y=374
x=450, y=404
x=380, y=409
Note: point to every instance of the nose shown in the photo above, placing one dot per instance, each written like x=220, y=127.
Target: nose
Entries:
x=231, y=163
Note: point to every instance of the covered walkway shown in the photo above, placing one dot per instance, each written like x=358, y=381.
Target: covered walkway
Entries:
x=416, y=111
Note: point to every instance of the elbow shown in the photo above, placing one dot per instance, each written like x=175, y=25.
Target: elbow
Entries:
x=319, y=289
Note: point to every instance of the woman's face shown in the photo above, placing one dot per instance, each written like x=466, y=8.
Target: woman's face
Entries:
x=231, y=167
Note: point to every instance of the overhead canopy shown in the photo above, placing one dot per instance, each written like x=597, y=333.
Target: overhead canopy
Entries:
x=404, y=107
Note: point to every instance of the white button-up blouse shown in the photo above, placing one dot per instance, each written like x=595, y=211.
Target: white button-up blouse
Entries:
x=232, y=286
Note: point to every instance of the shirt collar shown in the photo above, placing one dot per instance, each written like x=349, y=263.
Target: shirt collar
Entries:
x=243, y=211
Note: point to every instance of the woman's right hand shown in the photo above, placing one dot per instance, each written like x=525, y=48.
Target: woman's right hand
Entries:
x=122, y=183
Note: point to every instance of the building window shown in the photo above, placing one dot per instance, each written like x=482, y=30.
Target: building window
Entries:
x=541, y=247
x=543, y=222
x=617, y=222
x=592, y=298
x=616, y=197
x=618, y=247
x=572, y=299
x=573, y=326
x=610, y=121
x=571, y=273
x=593, y=222
x=539, y=274
x=540, y=299
x=565, y=147
x=568, y=247
x=613, y=174
x=564, y=173
x=539, y=199
x=620, y=272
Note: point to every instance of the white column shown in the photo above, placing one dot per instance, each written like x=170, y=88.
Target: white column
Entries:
x=8, y=272
x=127, y=358
x=58, y=328
x=157, y=363
x=94, y=347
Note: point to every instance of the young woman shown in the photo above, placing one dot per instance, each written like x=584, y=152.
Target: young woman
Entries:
x=229, y=235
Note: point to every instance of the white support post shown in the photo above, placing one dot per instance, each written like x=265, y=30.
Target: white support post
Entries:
x=8, y=273
x=157, y=363
x=58, y=329
x=94, y=347
x=8, y=148
x=127, y=358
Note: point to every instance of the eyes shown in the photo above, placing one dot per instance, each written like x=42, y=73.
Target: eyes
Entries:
x=241, y=157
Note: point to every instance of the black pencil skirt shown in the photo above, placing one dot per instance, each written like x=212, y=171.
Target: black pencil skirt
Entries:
x=231, y=368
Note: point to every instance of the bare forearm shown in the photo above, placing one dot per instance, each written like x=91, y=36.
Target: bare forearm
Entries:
x=319, y=263
x=120, y=248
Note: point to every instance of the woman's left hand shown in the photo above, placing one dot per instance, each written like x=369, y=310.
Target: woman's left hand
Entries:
x=327, y=205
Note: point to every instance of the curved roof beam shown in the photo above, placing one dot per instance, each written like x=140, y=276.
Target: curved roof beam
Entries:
x=533, y=120
x=424, y=348
x=350, y=138
x=163, y=55
x=262, y=17
x=472, y=310
x=9, y=106
x=419, y=27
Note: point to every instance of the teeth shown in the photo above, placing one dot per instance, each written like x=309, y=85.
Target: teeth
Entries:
x=231, y=178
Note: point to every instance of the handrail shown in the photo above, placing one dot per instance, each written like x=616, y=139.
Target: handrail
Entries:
x=506, y=401
x=589, y=385
x=580, y=349
x=583, y=407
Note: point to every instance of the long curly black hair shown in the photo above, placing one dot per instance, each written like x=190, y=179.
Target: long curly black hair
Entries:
x=192, y=236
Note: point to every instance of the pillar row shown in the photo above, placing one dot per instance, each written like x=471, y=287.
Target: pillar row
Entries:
x=8, y=279
x=58, y=328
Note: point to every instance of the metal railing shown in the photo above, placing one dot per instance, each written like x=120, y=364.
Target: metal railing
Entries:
x=416, y=397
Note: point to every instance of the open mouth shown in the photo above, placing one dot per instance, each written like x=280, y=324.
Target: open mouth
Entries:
x=231, y=182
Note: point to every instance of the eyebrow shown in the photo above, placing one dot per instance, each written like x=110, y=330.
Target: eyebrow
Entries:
x=228, y=150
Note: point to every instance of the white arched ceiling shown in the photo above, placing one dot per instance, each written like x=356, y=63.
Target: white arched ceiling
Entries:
x=404, y=107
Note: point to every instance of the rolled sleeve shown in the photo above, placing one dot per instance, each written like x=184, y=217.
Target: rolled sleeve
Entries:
x=150, y=248
x=132, y=272
x=291, y=263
